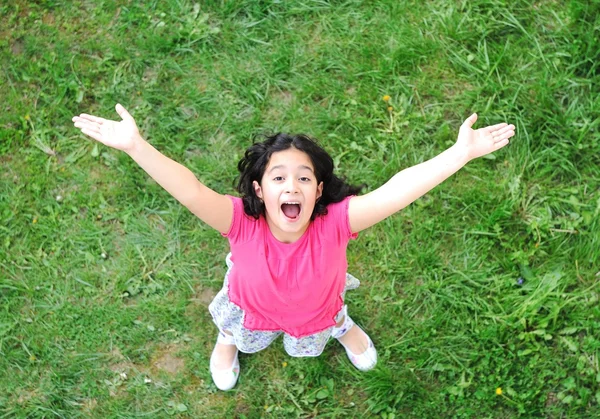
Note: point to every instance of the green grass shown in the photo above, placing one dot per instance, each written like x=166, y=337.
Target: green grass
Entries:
x=129, y=334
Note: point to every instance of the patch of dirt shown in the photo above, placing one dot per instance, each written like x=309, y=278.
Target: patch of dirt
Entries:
x=285, y=97
x=188, y=112
x=96, y=175
x=203, y=296
x=220, y=138
x=166, y=361
x=17, y=47
x=278, y=102
x=120, y=363
x=551, y=400
x=150, y=76
x=89, y=405
x=157, y=222
x=170, y=363
x=48, y=18
x=241, y=408
x=25, y=396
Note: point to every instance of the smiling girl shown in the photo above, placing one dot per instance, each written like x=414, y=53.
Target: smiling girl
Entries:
x=288, y=234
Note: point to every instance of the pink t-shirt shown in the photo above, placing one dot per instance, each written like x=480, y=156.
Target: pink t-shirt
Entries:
x=293, y=287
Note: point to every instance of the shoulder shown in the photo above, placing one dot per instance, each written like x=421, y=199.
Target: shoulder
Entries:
x=336, y=222
x=337, y=209
x=243, y=226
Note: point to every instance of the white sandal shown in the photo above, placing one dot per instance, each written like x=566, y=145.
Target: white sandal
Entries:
x=225, y=379
x=365, y=361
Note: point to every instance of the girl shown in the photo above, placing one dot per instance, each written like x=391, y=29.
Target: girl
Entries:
x=288, y=234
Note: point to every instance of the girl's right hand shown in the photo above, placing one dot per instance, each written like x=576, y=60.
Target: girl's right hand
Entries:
x=122, y=135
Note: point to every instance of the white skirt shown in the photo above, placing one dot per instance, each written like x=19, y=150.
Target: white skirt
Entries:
x=230, y=317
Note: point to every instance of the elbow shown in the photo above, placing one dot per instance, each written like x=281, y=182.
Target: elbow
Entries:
x=191, y=197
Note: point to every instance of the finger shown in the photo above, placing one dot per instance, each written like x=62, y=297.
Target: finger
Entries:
x=496, y=127
x=503, y=129
x=470, y=121
x=505, y=132
x=123, y=112
x=92, y=126
x=501, y=144
x=504, y=136
x=95, y=135
x=91, y=118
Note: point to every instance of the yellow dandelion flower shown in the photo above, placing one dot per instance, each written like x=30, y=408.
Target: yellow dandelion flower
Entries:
x=27, y=117
x=386, y=98
x=266, y=406
x=499, y=391
x=32, y=358
x=390, y=108
x=34, y=220
x=284, y=364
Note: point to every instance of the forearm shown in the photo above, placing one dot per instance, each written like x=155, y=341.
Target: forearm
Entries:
x=214, y=209
x=410, y=184
x=175, y=178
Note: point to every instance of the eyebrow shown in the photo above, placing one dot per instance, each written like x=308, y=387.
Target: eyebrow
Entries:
x=282, y=166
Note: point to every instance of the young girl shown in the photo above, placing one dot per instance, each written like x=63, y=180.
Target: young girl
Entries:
x=287, y=270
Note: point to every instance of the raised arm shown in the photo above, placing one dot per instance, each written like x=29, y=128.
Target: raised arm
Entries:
x=412, y=183
x=214, y=209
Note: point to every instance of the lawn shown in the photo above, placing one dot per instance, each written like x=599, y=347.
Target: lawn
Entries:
x=481, y=297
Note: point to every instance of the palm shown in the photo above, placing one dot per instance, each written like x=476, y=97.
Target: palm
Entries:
x=483, y=140
x=117, y=134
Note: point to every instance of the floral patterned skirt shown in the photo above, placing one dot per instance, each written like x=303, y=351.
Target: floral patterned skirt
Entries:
x=230, y=317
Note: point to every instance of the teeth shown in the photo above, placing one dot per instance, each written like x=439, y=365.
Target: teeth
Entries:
x=292, y=203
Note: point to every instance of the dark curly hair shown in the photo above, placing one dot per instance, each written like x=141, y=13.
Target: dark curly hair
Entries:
x=252, y=167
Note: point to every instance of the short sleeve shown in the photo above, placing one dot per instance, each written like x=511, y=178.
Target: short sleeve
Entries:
x=346, y=218
x=242, y=226
x=337, y=221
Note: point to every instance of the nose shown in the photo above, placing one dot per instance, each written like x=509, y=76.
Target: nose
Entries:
x=291, y=186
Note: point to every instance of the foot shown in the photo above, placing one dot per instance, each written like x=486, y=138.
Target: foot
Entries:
x=359, y=348
x=355, y=340
x=223, y=356
x=224, y=364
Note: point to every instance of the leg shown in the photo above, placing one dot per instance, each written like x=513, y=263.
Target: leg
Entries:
x=224, y=364
x=224, y=352
x=307, y=346
x=357, y=343
x=354, y=338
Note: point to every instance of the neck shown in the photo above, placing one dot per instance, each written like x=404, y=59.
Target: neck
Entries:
x=285, y=236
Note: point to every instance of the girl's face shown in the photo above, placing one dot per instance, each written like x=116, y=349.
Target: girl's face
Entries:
x=289, y=190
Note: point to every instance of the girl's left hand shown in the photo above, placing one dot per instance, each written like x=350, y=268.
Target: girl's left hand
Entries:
x=483, y=141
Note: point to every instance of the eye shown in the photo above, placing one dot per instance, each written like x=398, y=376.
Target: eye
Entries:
x=278, y=178
x=304, y=179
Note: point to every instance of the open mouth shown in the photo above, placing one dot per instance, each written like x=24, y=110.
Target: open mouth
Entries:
x=291, y=210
